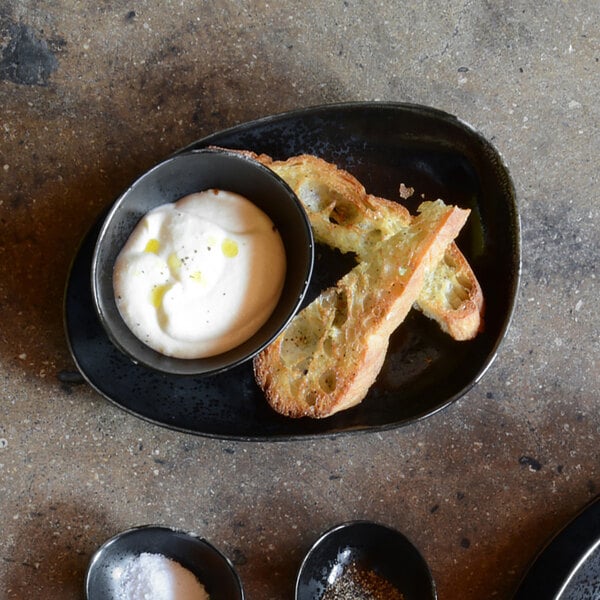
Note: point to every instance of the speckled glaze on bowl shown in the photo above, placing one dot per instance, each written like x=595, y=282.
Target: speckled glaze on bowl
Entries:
x=211, y=567
x=372, y=547
x=169, y=181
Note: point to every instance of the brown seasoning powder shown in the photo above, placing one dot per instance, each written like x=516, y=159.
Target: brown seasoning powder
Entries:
x=357, y=583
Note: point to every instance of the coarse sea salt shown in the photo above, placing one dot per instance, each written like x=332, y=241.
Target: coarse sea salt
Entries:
x=156, y=577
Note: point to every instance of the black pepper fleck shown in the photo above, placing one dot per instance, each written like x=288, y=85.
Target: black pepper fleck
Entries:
x=359, y=583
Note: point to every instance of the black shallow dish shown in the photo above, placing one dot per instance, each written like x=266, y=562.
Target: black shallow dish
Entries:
x=170, y=180
x=210, y=566
x=568, y=567
x=371, y=547
x=383, y=145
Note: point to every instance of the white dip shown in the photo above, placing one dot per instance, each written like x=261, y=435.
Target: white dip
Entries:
x=200, y=276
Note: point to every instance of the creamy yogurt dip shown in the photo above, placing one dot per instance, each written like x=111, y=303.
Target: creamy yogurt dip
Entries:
x=200, y=276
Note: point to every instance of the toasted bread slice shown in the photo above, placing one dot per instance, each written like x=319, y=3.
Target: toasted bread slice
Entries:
x=345, y=217
x=330, y=354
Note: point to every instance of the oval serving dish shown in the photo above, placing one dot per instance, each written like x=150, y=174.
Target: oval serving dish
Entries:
x=383, y=145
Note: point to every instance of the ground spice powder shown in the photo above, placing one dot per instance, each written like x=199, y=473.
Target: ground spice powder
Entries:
x=359, y=583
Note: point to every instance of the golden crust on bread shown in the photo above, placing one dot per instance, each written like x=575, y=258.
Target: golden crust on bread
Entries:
x=344, y=216
x=332, y=351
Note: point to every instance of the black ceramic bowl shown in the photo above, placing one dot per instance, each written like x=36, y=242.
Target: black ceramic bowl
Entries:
x=169, y=181
x=212, y=569
x=364, y=553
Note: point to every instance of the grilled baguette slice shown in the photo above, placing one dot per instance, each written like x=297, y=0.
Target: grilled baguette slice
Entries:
x=331, y=352
x=345, y=217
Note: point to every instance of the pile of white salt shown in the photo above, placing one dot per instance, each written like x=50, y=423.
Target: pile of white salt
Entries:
x=156, y=577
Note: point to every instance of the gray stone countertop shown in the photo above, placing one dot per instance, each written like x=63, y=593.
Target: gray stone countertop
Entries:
x=92, y=94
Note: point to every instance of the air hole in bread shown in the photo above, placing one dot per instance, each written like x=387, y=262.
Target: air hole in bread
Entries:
x=341, y=309
x=311, y=398
x=343, y=213
x=303, y=366
x=464, y=282
x=327, y=381
x=457, y=297
x=449, y=260
x=373, y=237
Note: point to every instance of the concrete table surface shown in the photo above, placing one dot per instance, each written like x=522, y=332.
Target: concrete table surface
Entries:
x=92, y=94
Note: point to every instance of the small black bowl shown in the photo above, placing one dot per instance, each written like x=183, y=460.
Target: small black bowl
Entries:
x=212, y=568
x=169, y=181
x=364, y=546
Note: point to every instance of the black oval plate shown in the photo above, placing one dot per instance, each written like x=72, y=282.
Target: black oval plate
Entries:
x=425, y=370
x=568, y=567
